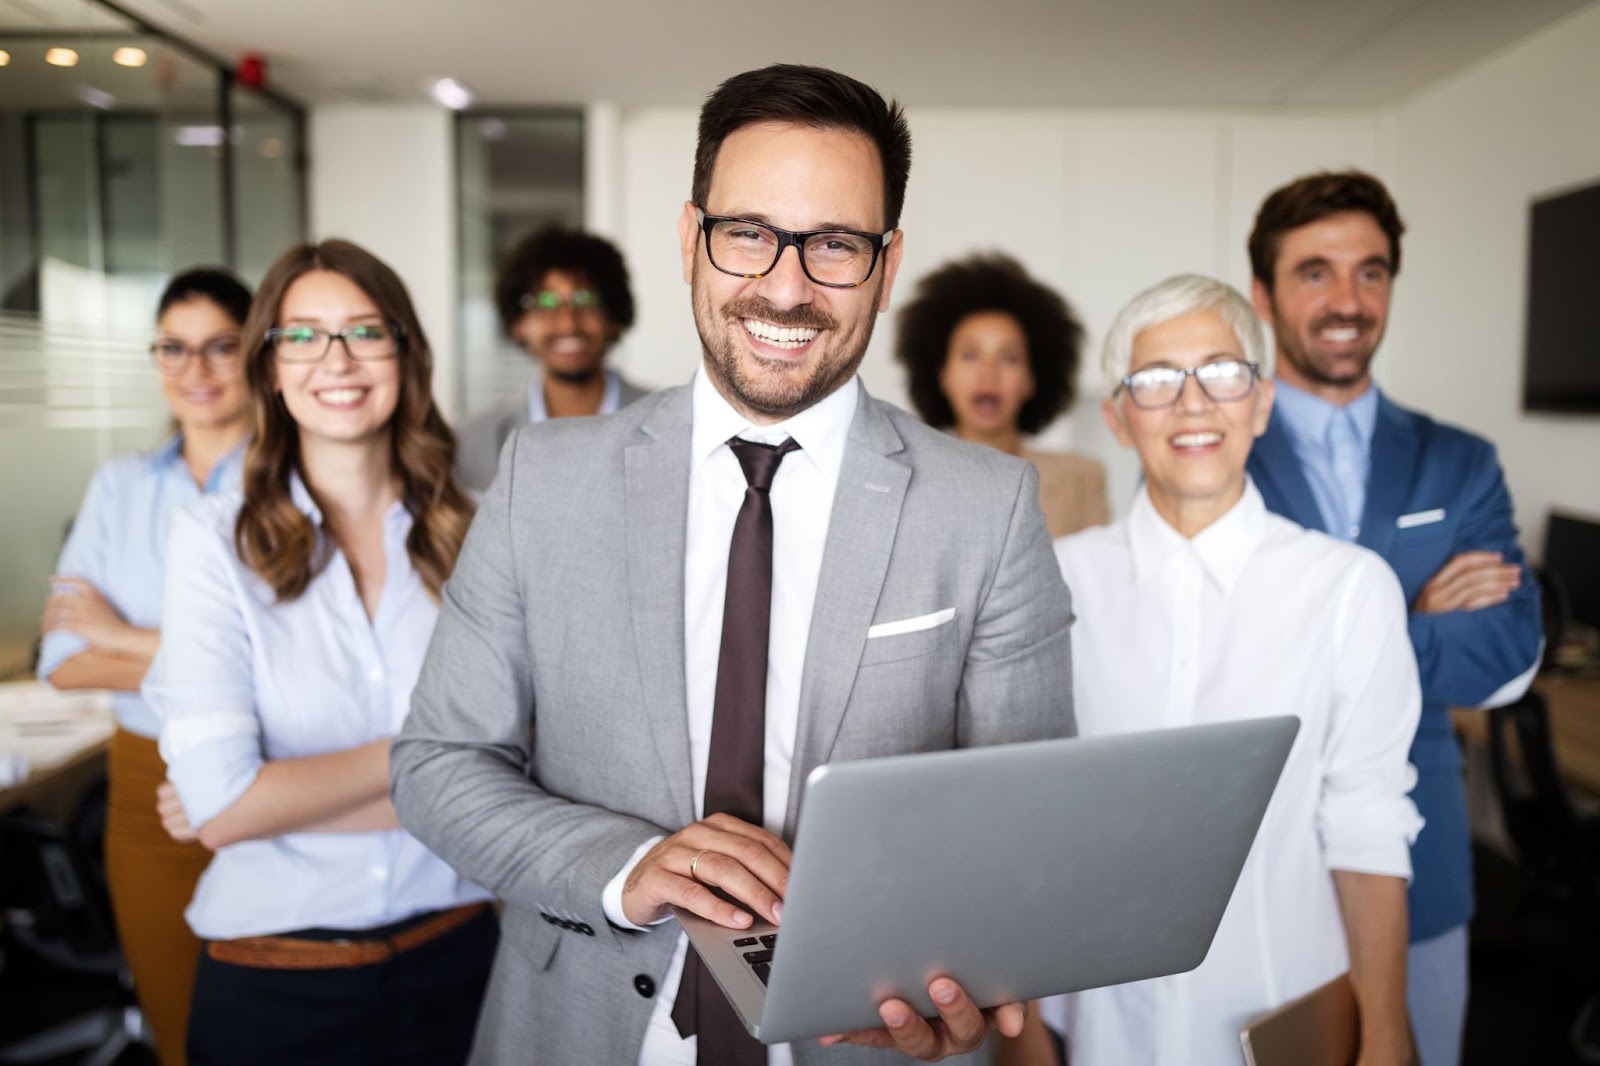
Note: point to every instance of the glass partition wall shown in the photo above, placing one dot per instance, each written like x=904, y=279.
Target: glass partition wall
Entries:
x=125, y=156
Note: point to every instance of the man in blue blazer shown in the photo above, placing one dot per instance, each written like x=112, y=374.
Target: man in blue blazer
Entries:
x=1339, y=456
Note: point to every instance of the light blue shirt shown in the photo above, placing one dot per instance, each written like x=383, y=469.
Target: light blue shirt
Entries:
x=610, y=400
x=118, y=544
x=243, y=678
x=1334, y=446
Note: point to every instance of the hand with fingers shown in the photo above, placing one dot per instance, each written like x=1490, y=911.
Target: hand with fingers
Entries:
x=742, y=860
x=174, y=819
x=961, y=1026
x=1470, y=581
x=77, y=606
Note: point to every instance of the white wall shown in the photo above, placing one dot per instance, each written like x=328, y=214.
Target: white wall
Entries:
x=384, y=177
x=1099, y=204
x=1471, y=153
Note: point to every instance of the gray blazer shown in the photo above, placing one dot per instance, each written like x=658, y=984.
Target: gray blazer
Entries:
x=565, y=612
x=483, y=436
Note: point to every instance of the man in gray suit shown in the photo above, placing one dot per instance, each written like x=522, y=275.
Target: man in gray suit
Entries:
x=563, y=295
x=605, y=727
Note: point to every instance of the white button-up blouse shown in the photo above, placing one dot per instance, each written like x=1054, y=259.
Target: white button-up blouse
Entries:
x=241, y=679
x=1252, y=617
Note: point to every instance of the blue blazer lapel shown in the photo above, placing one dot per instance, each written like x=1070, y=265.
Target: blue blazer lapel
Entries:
x=656, y=473
x=1276, y=471
x=1396, y=453
x=855, y=562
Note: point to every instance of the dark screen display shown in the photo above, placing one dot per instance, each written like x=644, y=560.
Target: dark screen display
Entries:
x=1561, y=371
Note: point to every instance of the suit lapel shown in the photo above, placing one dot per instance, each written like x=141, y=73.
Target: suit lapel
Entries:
x=1276, y=471
x=855, y=561
x=1395, y=454
x=656, y=501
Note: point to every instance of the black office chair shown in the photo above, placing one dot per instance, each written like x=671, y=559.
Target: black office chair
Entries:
x=67, y=923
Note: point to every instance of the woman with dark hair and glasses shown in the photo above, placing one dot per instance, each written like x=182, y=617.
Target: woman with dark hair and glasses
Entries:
x=1203, y=606
x=103, y=619
x=296, y=631
x=990, y=354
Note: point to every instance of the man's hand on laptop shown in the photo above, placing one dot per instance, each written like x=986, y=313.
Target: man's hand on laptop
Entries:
x=743, y=860
x=960, y=1028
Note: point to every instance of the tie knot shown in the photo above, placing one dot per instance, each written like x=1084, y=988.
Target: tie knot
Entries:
x=760, y=461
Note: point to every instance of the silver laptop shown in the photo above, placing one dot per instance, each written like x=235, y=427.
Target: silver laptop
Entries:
x=1021, y=870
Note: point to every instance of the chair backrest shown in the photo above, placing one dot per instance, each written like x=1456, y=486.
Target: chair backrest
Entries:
x=65, y=908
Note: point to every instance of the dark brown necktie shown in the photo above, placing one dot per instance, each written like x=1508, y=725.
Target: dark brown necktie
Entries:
x=734, y=777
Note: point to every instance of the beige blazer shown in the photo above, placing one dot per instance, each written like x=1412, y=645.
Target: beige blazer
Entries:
x=1072, y=491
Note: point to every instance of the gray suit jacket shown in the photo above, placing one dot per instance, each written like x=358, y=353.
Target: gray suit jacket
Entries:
x=565, y=616
x=483, y=436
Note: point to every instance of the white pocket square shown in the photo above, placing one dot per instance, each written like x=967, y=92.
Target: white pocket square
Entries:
x=1419, y=518
x=911, y=625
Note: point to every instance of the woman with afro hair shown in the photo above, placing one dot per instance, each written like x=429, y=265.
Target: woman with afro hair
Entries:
x=991, y=355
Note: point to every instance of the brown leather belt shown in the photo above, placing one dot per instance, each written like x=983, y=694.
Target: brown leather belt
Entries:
x=294, y=953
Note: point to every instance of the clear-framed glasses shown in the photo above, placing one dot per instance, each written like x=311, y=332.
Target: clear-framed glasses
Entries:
x=839, y=259
x=309, y=344
x=548, y=302
x=221, y=355
x=1223, y=381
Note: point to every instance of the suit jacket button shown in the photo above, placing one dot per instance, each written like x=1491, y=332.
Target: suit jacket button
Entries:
x=645, y=985
x=586, y=929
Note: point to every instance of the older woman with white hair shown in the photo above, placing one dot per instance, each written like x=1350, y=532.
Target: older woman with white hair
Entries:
x=1201, y=606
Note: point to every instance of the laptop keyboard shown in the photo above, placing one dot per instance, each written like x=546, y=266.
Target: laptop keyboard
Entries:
x=757, y=952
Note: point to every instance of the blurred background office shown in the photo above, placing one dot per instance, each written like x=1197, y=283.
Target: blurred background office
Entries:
x=1102, y=144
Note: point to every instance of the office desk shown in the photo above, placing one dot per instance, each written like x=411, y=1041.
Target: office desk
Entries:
x=1574, y=703
x=62, y=735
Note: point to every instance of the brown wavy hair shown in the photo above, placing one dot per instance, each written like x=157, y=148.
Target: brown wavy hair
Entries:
x=273, y=536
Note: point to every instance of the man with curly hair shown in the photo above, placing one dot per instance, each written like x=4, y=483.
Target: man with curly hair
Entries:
x=563, y=295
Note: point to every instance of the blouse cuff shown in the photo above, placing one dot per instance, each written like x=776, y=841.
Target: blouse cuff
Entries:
x=57, y=647
x=212, y=760
x=1370, y=835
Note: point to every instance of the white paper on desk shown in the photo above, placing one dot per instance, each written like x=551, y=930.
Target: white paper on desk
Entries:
x=13, y=768
x=43, y=727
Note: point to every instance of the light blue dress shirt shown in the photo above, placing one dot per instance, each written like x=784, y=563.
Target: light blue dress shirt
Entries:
x=610, y=400
x=1334, y=446
x=118, y=544
x=242, y=678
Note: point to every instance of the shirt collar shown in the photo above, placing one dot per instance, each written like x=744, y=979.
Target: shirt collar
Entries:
x=1223, y=548
x=610, y=401
x=1306, y=417
x=821, y=430
x=224, y=474
x=301, y=495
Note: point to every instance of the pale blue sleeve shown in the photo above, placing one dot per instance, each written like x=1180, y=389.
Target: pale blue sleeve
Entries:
x=201, y=685
x=85, y=555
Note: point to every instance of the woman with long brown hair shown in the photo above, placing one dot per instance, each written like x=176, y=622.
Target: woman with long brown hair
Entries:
x=297, y=627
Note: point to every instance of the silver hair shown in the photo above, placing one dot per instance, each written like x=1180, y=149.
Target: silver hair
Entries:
x=1179, y=295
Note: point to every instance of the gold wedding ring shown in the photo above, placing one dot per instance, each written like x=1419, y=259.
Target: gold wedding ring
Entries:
x=692, y=862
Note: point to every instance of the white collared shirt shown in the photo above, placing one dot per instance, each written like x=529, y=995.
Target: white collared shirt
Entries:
x=241, y=679
x=802, y=502
x=1252, y=617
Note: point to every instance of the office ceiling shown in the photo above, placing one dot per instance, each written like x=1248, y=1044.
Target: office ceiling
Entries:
x=1019, y=53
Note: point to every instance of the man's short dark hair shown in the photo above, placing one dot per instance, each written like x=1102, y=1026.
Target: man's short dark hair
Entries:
x=806, y=96
x=592, y=259
x=989, y=283
x=1313, y=198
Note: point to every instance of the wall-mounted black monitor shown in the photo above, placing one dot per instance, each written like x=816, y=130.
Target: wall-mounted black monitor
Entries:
x=1561, y=367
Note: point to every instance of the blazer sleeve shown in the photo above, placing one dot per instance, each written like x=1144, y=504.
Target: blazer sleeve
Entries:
x=460, y=765
x=1467, y=657
x=1016, y=684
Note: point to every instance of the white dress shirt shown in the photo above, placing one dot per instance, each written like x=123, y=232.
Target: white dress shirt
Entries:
x=241, y=679
x=802, y=502
x=1252, y=617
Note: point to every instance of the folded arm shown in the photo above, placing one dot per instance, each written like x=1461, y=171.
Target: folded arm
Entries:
x=1468, y=654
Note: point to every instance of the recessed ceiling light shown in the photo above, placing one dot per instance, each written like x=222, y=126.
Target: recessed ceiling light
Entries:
x=129, y=57
x=61, y=57
x=452, y=94
x=5, y=58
